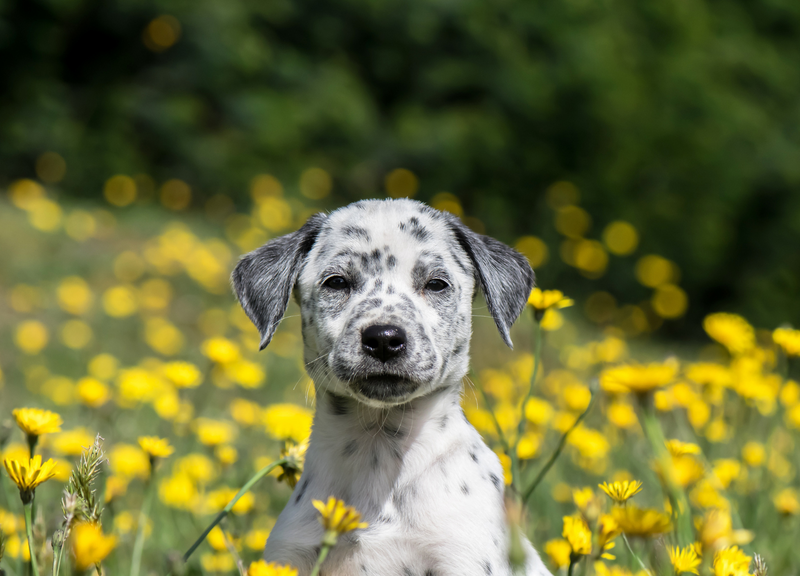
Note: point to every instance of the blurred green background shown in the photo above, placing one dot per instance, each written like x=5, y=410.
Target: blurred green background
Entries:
x=681, y=118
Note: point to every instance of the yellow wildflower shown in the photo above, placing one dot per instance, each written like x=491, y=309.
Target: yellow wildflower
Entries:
x=256, y=539
x=287, y=422
x=93, y=392
x=295, y=455
x=220, y=350
x=577, y=533
x=620, y=492
x=684, y=559
x=638, y=379
x=182, y=374
x=128, y=461
x=115, y=486
x=28, y=475
x=730, y=330
x=337, y=517
x=788, y=339
x=178, y=491
x=787, y=502
x=198, y=467
x=214, y=432
x=727, y=470
x=261, y=568
x=754, y=454
x=678, y=448
x=715, y=530
x=155, y=447
x=543, y=300
x=245, y=412
x=559, y=551
x=731, y=562
x=607, y=530
x=90, y=546
x=35, y=422
x=31, y=336
x=635, y=521
x=217, y=562
x=72, y=442
x=226, y=454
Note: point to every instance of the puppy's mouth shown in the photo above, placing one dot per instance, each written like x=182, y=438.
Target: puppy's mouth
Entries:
x=384, y=387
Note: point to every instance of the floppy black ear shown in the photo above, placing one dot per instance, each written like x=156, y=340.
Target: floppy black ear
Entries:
x=505, y=276
x=264, y=278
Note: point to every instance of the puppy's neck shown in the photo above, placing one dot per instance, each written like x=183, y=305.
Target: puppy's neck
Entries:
x=361, y=454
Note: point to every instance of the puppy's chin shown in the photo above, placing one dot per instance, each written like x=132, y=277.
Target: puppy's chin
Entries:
x=382, y=390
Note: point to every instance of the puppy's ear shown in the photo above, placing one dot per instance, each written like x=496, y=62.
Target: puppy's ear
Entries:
x=264, y=278
x=504, y=275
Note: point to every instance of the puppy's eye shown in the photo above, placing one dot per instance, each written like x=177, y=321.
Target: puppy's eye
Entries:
x=436, y=285
x=336, y=283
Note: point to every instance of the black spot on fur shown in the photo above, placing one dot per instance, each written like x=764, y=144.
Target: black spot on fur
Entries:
x=473, y=456
x=430, y=573
x=487, y=568
x=495, y=480
x=302, y=491
x=407, y=571
x=390, y=289
x=443, y=422
x=465, y=488
x=339, y=405
x=356, y=232
x=391, y=262
x=375, y=460
x=350, y=448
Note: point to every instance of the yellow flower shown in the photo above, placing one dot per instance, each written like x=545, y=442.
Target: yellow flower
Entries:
x=31, y=336
x=788, y=339
x=715, y=530
x=619, y=492
x=730, y=330
x=28, y=475
x=178, y=491
x=684, y=559
x=577, y=533
x=543, y=300
x=92, y=392
x=72, y=442
x=115, y=487
x=559, y=551
x=295, y=459
x=787, y=502
x=261, y=568
x=287, y=422
x=638, y=379
x=678, y=448
x=731, y=562
x=198, y=467
x=35, y=422
x=607, y=530
x=214, y=432
x=635, y=521
x=155, y=447
x=754, y=454
x=337, y=517
x=220, y=350
x=182, y=374
x=128, y=461
x=226, y=454
x=90, y=546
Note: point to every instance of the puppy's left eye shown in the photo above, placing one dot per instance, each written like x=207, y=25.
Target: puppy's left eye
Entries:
x=436, y=285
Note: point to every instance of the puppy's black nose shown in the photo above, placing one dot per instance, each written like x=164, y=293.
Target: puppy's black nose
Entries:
x=383, y=342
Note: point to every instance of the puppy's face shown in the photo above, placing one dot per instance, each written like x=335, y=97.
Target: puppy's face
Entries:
x=386, y=296
x=385, y=290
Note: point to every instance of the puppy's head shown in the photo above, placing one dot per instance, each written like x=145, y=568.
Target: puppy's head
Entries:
x=385, y=290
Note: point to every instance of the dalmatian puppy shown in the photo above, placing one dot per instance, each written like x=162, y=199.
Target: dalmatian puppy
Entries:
x=385, y=289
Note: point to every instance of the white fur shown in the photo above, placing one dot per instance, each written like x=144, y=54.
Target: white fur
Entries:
x=419, y=473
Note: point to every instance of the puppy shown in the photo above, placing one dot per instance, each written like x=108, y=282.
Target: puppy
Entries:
x=385, y=289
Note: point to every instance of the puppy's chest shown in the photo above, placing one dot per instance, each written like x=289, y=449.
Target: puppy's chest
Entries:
x=429, y=512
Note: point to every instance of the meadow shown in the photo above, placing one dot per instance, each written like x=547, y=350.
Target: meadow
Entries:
x=116, y=315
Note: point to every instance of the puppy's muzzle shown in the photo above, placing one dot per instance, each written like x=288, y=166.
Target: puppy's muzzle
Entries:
x=383, y=342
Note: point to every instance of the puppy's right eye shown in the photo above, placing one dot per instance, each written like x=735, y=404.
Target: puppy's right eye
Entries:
x=336, y=283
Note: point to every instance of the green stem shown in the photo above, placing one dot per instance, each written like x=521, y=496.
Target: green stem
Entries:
x=540, y=476
x=490, y=408
x=323, y=553
x=138, y=545
x=680, y=505
x=245, y=489
x=571, y=566
x=523, y=421
x=58, y=553
x=639, y=560
x=29, y=532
